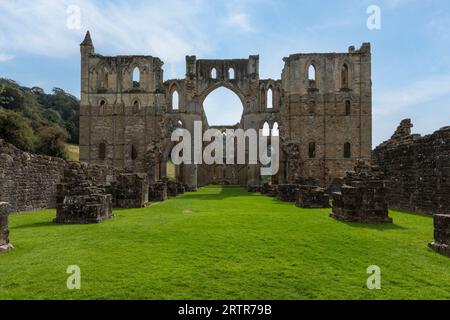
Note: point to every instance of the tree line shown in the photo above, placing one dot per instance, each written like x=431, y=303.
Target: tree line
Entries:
x=38, y=122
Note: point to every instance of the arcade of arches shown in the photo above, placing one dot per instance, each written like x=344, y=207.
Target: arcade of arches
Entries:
x=321, y=108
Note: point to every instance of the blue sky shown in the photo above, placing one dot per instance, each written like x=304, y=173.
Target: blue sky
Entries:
x=411, y=52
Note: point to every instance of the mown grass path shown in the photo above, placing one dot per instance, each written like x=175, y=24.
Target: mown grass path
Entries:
x=222, y=243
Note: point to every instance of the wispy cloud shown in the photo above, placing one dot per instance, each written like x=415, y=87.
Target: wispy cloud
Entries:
x=419, y=92
x=5, y=57
x=239, y=20
x=166, y=29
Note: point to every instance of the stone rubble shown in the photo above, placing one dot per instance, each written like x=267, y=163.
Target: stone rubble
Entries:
x=287, y=192
x=362, y=197
x=158, y=191
x=130, y=190
x=312, y=197
x=5, y=210
x=418, y=169
x=441, y=243
x=79, y=200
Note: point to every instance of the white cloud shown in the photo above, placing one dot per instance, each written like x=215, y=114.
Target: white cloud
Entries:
x=166, y=29
x=420, y=92
x=5, y=57
x=240, y=21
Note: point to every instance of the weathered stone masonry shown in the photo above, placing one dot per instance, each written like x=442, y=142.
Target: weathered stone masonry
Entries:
x=79, y=200
x=5, y=210
x=325, y=120
x=28, y=182
x=441, y=243
x=418, y=170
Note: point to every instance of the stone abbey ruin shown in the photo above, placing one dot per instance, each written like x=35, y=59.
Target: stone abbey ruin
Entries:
x=324, y=118
x=321, y=106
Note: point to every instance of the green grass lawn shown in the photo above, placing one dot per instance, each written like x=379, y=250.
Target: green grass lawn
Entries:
x=222, y=243
x=73, y=152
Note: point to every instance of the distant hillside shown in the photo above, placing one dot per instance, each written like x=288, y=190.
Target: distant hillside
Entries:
x=36, y=121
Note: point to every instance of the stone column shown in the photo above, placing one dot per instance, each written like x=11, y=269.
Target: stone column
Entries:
x=190, y=176
x=441, y=243
x=5, y=210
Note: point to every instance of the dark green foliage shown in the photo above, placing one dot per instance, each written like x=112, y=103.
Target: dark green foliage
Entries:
x=15, y=129
x=51, y=141
x=35, y=110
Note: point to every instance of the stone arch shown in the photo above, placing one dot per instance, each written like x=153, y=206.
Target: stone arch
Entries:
x=275, y=131
x=266, y=129
x=347, y=150
x=136, y=77
x=136, y=105
x=214, y=104
x=348, y=107
x=270, y=97
x=344, y=74
x=102, y=152
x=134, y=153
x=174, y=97
x=202, y=96
x=102, y=103
x=231, y=73
x=213, y=73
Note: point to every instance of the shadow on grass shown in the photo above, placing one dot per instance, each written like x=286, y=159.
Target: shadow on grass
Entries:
x=412, y=213
x=225, y=192
x=38, y=225
x=372, y=225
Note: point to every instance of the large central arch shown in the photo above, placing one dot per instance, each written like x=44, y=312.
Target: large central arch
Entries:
x=225, y=103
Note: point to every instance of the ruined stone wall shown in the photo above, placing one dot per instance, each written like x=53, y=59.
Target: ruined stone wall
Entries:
x=326, y=111
x=128, y=124
x=28, y=182
x=417, y=169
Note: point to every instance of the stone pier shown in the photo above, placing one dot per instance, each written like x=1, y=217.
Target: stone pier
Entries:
x=5, y=210
x=312, y=197
x=79, y=200
x=362, y=197
x=441, y=243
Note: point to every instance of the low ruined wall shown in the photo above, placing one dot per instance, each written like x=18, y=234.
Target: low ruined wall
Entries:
x=417, y=169
x=28, y=182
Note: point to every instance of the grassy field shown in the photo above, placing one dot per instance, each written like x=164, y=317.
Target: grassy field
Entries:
x=222, y=243
x=73, y=152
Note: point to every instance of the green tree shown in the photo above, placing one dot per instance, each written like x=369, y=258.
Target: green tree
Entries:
x=16, y=130
x=51, y=141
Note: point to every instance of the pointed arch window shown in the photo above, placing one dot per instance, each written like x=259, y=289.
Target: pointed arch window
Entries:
x=312, y=107
x=348, y=108
x=136, y=77
x=347, y=150
x=102, y=106
x=344, y=76
x=266, y=129
x=312, y=76
x=134, y=152
x=175, y=100
x=104, y=79
x=102, y=151
x=231, y=74
x=275, y=130
x=269, y=101
x=312, y=150
x=213, y=73
x=136, y=106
